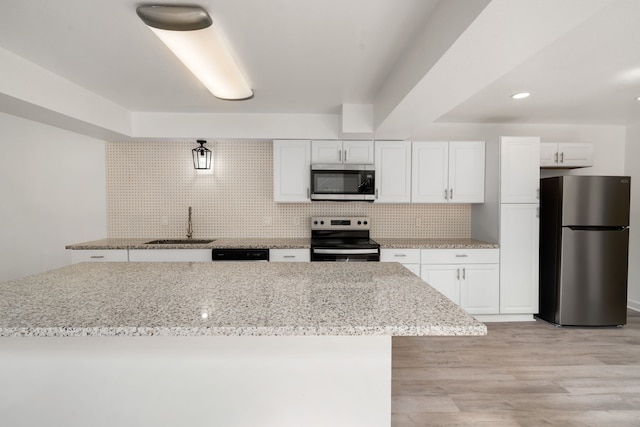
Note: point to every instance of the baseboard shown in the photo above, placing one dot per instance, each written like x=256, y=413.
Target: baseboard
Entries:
x=489, y=318
x=633, y=305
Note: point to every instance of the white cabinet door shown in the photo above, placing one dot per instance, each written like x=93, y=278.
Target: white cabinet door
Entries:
x=519, y=228
x=291, y=170
x=519, y=169
x=566, y=154
x=448, y=172
x=414, y=268
x=575, y=154
x=548, y=154
x=170, y=255
x=338, y=152
x=466, y=171
x=480, y=288
x=289, y=255
x=99, y=255
x=445, y=278
x=328, y=152
x=430, y=172
x=393, y=171
x=358, y=152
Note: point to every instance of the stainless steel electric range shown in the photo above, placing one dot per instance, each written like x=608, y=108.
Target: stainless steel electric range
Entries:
x=343, y=239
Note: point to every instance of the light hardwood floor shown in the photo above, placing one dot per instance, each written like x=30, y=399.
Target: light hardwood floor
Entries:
x=520, y=374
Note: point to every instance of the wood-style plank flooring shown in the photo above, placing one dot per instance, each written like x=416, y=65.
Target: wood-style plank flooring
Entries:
x=520, y=374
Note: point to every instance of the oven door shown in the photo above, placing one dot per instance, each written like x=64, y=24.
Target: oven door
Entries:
x=343, y=182
x=345, y=255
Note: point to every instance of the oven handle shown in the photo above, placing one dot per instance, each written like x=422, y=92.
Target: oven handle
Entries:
x=345, y=251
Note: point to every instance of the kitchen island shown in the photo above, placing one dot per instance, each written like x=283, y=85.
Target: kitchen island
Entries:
x=269, y=344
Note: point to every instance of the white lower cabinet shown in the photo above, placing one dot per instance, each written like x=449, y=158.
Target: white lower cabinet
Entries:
x=170, y=255
x=410, y=258
x=99, y=255
x=289, y=255
x=468, y=277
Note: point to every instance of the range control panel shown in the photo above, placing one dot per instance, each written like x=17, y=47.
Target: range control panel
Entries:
x=340, y=223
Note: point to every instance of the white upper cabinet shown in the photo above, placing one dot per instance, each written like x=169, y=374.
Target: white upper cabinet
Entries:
x=448, y=172
x=393, y=171
x=519, y=170
x=566, y=154
x=338, y=152
x=291, y=171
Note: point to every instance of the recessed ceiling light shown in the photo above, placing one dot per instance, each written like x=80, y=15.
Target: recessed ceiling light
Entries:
x=520, y=95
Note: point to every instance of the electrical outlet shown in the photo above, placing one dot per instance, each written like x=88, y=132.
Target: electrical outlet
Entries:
x=297, y=221
x=418, y=222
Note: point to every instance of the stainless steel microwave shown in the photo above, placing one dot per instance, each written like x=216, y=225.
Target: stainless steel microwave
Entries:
x=343, y=182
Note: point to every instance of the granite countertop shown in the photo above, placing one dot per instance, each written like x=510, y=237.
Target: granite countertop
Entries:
x=280, y=243
x=404, y=243
x=218, y=242
x=272, y=299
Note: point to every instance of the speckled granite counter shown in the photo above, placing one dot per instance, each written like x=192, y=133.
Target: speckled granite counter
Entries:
x=403, y=243
x=281, y=243
x=219, y=242
x=144, y=299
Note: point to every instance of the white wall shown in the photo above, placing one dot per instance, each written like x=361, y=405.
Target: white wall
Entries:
x=632, y=168
x=52, y=184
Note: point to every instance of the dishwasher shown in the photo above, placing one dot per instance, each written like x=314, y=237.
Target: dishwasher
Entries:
x=240, y=254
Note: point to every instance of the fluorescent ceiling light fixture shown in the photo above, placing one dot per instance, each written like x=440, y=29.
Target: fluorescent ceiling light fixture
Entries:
x=521, y=95
x=188, y=32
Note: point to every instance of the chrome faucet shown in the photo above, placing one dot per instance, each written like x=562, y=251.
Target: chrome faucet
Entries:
x=189, y=226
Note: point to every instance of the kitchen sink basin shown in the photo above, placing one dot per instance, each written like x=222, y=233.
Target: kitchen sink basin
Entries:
x=180, y=242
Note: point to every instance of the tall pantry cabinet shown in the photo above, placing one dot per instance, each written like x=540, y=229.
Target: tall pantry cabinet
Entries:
x=519, y=224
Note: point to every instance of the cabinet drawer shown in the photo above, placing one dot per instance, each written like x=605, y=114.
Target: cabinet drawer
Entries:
x=404, y=256
x=170, y=255
x=99, y=255
x=460, y=256
x=289, y=255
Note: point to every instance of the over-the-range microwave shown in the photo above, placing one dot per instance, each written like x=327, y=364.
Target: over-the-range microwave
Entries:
x=343, y=182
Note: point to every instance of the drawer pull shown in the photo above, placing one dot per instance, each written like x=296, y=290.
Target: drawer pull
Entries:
x=461, y=255
x=96, y=256
x=289, y=256
x=400, y=255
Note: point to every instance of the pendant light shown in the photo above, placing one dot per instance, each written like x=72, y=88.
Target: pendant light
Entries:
x=188, y=32
x=201, y=156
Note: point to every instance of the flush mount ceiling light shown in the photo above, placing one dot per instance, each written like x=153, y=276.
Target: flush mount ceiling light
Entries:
x=521, y=95
x=201, y=156
x=188, y=32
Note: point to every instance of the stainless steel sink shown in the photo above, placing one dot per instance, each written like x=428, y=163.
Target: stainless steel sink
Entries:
x=180, y=242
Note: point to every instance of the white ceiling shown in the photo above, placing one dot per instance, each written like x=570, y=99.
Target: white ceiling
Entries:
x=415, y=61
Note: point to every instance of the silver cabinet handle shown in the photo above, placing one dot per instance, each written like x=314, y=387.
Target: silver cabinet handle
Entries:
x=340, y=155
x=308, y=193
x=464, y=273
x=561, y=157
x=446, y=194
x=451, y=194
x=96, y=256
x=289, y=256
x=345, y=156
x=555, y=158
x=537, y=212
x=376, y=194
x=400, y=255
x=461, y=255
x=458, y=275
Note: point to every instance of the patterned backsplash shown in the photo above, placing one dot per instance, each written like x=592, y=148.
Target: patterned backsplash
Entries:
x=150, y=186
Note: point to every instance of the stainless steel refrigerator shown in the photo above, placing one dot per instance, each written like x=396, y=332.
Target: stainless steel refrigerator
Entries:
x=584, y=250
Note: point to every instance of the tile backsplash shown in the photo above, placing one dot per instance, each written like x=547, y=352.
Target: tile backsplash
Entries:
x=150, y=186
